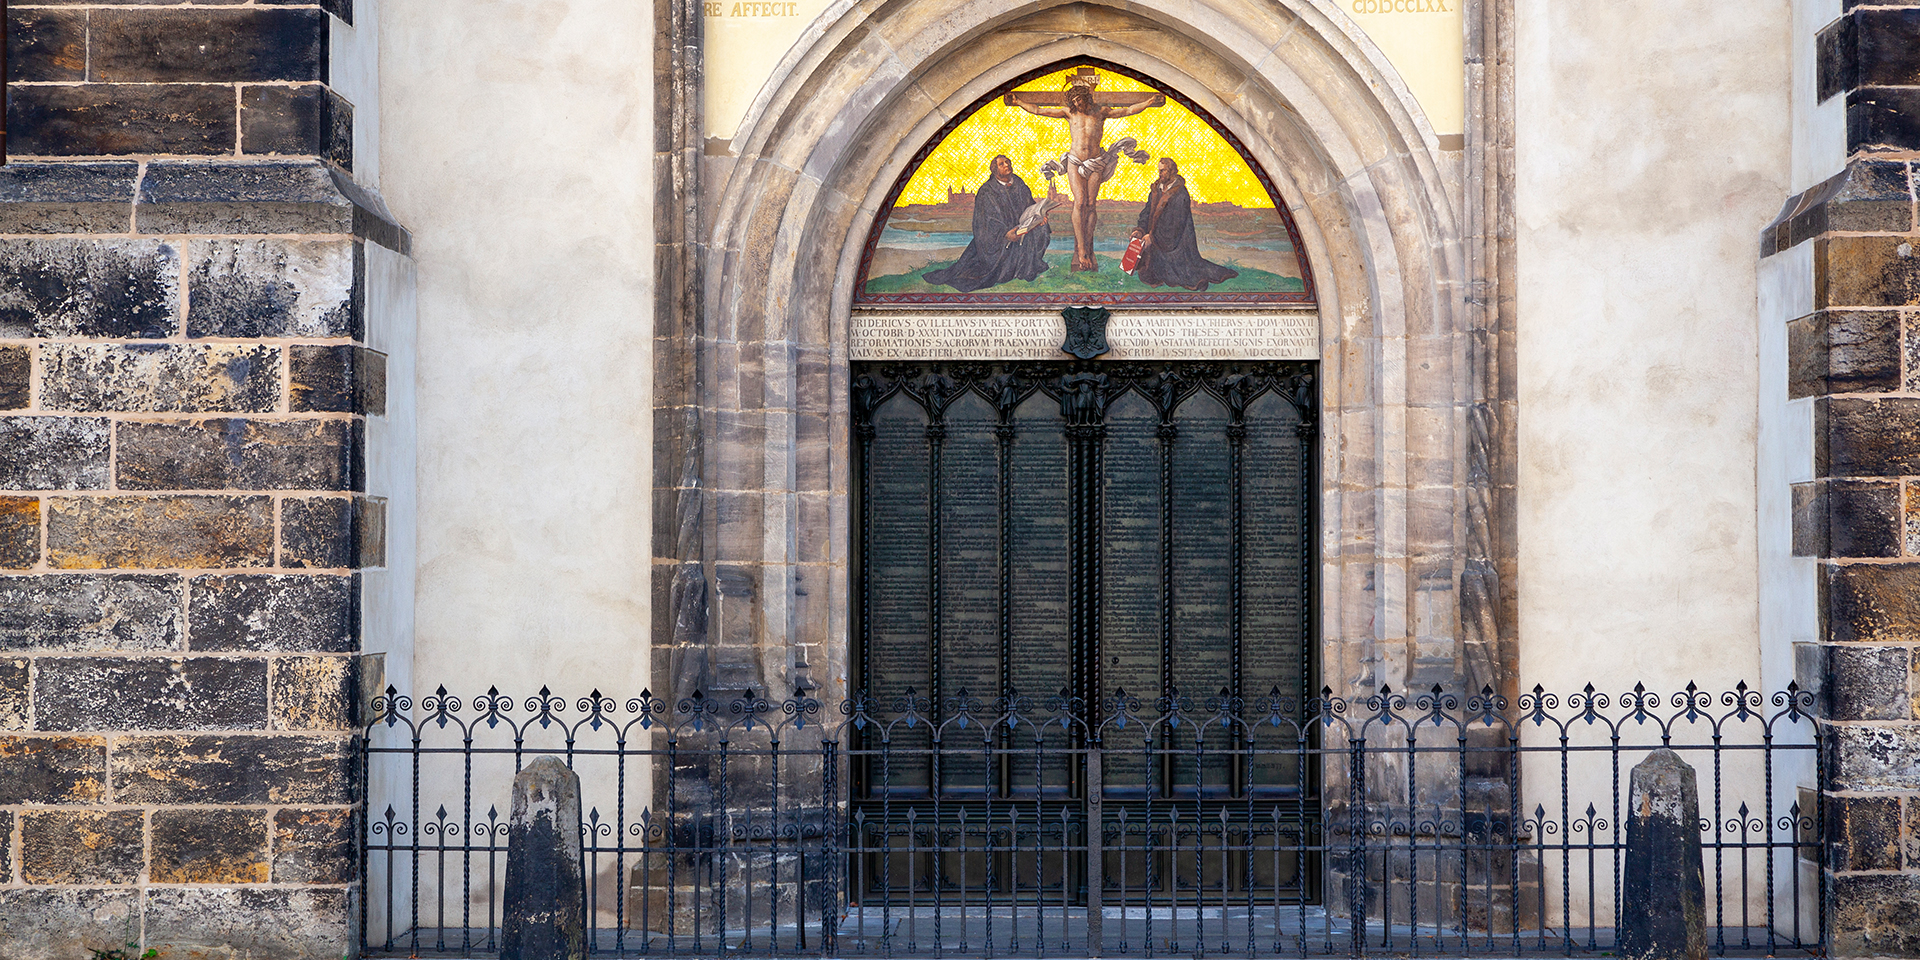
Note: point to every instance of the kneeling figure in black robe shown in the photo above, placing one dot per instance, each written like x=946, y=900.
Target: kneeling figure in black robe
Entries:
x=1170, y=257
x=999, y=252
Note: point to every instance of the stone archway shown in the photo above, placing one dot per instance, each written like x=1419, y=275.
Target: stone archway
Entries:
x=752, y=349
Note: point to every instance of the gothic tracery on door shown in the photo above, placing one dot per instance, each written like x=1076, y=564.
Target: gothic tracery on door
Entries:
x=1074, y=535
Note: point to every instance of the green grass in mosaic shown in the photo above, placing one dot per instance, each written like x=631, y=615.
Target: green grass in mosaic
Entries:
x=1108, y=279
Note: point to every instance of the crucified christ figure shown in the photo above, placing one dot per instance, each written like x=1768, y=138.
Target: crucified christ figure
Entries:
x=1088, y=165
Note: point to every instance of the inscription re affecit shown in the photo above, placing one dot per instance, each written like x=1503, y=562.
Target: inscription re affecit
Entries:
x=745, y=8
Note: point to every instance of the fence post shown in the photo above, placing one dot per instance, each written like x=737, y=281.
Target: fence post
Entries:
x=1096, y=853
x=1664, y=916
x=544, y=917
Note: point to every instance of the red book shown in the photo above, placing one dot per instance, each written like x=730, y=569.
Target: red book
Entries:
x=1131, y=258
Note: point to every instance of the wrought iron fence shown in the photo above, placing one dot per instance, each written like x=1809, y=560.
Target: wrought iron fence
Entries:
x=1386, y=824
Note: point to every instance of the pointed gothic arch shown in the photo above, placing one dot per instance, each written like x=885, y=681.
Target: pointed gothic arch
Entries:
x=758, y=341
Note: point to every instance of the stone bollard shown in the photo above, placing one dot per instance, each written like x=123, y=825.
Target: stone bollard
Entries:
x=1663, y=914
x=544, y=916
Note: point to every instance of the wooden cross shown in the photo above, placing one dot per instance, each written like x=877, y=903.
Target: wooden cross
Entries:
x=1058, y=98
x=1047, y=98
x=1052, y=98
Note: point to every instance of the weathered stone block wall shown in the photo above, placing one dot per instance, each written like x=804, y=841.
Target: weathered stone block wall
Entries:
x=177, y=79
x=185, y=390
x=1856, y=357
x=182, y=460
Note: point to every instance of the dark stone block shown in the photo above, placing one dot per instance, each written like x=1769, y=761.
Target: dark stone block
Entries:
x=319, y=614
x=16, y=377
x=53, y=770
x=1875, y=915
x=202, y=45
x=1867, y=438
x=370, y=531
x=1837, y=58
x=62, y=923
x=234, y=769
x=1664, y=900
x=1810, y=672
x=1874, y=195
x=372, y=221
x=6, y=858
x=314, y=693
x=1844, y=352
x=1863, y=833
x=1810, y=526
x=1887, y=47
x=19, y=532
x=311, y=923
x=54, y=453
x=89, y=288
x=160, y=378
x=313, y=846
x=1865, y=272
x=1910, y=845
x=338, y=379
x=46, y=45
x=318, y=532
x=118, y=119
x=202, y=532
x=333, y=532
x=236, y=454
x=67, y=197
x=1863, y=351
x=209, y=846
x=81, y=846
x=308, y=120
x=90, y=612
x=339, y=8
x=13, y=701
x=275, y=197
x=1873, y=759
x=541, y=918
x=150, y=693
x=1883, y=119
x=1847, y=518
x=275, y=288
x=1871, y=603
x=1867, y=682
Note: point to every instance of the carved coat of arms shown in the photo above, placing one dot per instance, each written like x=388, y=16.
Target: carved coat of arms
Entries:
x=1086, y=331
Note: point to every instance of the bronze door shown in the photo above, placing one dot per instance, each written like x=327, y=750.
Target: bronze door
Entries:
x=1053, y=559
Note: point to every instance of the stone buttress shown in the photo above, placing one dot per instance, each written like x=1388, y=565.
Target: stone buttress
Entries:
x=186, y=389
x=1853, y=354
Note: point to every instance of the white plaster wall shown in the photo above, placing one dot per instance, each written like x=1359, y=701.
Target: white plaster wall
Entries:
x=518, y=138
x=1653, y=143
x=1652, y=146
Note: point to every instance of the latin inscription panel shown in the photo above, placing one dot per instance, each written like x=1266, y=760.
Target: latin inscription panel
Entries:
x=1134, y=334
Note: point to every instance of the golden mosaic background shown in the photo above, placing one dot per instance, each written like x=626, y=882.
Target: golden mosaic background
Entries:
x=1215, y=172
